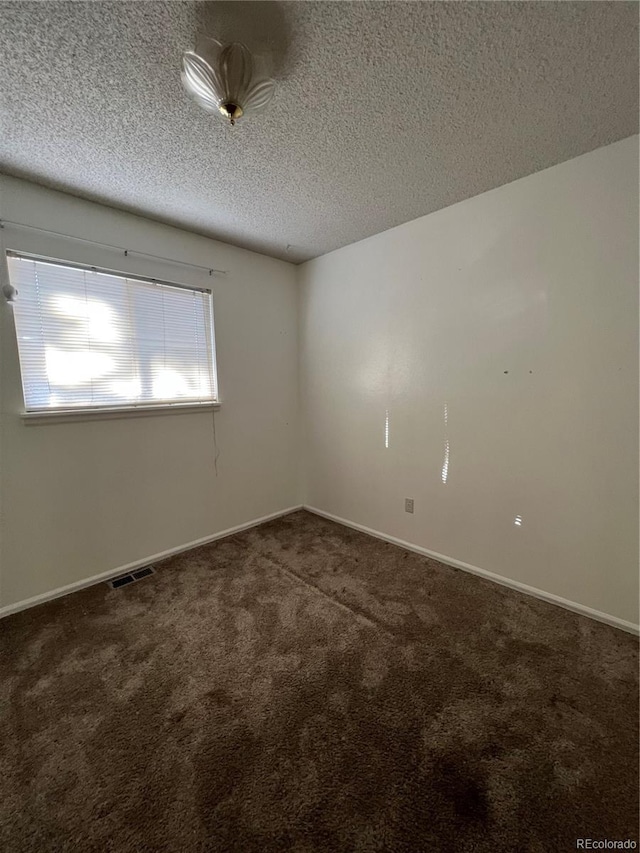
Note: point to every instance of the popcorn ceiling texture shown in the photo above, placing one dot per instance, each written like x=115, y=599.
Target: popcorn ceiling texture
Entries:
x=383, y=112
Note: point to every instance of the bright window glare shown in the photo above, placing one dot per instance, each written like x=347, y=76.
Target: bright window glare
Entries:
x=89, y=339
x=444, y=474
x=445, y=463
x=76, y=368
x=95, y=316
x=170, y=383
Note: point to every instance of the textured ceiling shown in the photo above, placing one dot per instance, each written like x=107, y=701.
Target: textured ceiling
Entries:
x=383, y=111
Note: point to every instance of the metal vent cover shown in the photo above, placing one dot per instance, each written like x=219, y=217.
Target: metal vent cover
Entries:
x=132, y=577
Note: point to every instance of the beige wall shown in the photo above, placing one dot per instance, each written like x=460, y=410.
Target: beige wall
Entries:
x=516, y=313
x=83, y=498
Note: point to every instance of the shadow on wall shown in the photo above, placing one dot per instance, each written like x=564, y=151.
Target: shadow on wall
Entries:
x=262, y=26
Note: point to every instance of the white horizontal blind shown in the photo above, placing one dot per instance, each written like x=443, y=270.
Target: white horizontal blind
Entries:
x=93, y=340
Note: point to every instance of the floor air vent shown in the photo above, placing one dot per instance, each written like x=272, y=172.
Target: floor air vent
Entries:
x=142, y=573
x=123, y=580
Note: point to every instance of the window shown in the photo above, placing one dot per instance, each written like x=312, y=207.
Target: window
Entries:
x=91, y=339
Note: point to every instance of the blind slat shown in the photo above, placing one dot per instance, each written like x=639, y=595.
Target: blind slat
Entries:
x=89, y=339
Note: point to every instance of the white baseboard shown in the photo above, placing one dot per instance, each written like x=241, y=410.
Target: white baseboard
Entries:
x=582, y=609
x=503, y=581
x=138, y=564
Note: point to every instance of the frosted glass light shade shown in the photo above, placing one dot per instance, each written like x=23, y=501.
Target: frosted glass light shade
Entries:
x=221, y=79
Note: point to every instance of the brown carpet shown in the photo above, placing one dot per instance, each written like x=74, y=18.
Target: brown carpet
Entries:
x=304, y=687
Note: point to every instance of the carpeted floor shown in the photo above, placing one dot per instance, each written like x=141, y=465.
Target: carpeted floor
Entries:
x=304, y=687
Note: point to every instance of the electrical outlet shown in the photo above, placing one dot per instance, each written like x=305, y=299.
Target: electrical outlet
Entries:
x=408, y=504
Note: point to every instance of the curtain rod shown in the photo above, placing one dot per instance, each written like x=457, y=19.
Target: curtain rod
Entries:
x=126, y=252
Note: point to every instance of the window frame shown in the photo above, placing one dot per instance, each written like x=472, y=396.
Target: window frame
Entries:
x=81, y=413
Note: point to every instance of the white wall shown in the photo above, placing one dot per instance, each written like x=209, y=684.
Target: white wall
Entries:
x=538, y=278
x=83, y=498
x=517, y=311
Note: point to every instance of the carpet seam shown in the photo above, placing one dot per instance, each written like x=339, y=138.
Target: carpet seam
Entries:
x=373, y=623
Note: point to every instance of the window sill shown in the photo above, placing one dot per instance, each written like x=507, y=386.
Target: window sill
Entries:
x=67, y=415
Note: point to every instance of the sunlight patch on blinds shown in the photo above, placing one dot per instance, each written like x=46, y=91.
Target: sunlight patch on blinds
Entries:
x=92, y=340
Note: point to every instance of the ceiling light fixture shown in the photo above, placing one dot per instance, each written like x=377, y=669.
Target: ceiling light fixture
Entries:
x=221, y=78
